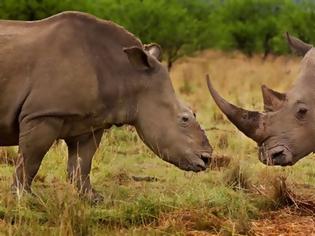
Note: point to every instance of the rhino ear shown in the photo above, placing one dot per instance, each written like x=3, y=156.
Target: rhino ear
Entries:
x=139, y=58
x=154, y=49
x=273, y=100
x=297, y=45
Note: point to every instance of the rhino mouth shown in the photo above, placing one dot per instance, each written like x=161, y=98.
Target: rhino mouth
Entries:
x=195, y=162
x=279, y=155
x=198, y=162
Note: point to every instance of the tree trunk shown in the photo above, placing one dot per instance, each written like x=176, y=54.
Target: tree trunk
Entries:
x=169, y=64
x=266, y=45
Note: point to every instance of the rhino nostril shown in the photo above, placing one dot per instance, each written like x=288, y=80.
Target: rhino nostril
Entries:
x=278, y=154
x=205, y=157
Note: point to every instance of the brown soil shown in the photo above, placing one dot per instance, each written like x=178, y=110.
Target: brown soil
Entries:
x=284, y=222
x=287, y=221
x=191, y=222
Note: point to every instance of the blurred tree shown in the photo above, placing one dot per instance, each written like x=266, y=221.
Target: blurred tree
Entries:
x=167, y=22
x=251, y=24
x=183, y=27
x=36, y=9
x=299, y=20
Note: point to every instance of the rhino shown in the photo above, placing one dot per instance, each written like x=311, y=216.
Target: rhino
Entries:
x=285, y=131
x=70, y=77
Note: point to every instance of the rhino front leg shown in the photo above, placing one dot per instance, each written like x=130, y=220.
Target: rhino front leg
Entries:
x=81, y=150
x=36, y=137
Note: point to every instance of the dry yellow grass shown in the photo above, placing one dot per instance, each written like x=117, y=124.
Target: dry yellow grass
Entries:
x=221, y=200
x=237, y=77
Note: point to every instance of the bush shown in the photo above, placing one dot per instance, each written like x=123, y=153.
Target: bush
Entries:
x=183, y=27
x=171, y=23
x=36, y=9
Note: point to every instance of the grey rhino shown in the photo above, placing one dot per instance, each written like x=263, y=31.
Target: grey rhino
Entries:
x=72, y=75
x=285, y=131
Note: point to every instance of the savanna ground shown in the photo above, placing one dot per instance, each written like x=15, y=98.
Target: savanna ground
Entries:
x=242, y=197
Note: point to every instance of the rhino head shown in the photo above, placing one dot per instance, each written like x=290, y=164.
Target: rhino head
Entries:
x=167, y=126
x=285, y=131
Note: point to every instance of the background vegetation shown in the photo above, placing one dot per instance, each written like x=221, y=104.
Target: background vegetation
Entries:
x=184, y=26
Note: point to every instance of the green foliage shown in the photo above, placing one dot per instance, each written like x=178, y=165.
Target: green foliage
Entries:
x=251, y=25
x=36, y=9
x=182, y=27
x=168, y=22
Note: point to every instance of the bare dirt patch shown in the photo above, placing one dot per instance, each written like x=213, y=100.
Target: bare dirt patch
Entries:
x=191, y=222
x=297, y=216
x=287, y=221
x=284, y=222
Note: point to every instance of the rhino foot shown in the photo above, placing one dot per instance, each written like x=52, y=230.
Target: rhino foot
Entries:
x=93, y=196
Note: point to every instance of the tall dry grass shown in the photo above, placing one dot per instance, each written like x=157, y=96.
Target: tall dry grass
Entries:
x=237, y=77
x=222, y=200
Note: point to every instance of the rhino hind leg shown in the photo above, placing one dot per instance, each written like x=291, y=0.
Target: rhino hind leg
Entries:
x=81, y=150
x=36, y=137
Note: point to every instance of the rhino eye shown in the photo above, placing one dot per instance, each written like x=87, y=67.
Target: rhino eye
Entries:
x=301, y=112
x=185, y=118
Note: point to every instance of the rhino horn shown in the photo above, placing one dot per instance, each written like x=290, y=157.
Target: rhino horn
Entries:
x=273, y=100
x=248, y=122
x=297, y=45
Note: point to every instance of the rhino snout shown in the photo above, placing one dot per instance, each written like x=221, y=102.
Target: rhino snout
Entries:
x=201, y=163
x=196, y=162
x=278, y=155
x=206, y=158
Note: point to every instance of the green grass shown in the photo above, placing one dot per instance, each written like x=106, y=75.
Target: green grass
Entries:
x=216, y=201
x=132, y=207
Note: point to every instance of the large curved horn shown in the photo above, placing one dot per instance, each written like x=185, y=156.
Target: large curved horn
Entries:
x=249, y=122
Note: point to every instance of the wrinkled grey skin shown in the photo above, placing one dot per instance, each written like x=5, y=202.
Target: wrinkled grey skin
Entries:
x=70, y=77
x=285, y=132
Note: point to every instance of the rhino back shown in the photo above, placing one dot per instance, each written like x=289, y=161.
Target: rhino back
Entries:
x=69, y=65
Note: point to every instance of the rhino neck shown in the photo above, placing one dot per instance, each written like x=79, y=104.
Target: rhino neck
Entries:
x=118, y=81
x=120, y=101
